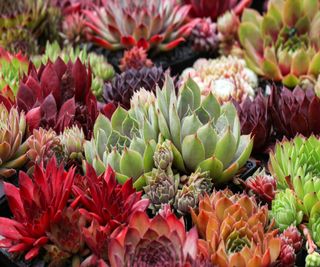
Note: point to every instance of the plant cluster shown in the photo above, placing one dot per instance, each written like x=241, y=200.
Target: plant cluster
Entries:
x=160, y=133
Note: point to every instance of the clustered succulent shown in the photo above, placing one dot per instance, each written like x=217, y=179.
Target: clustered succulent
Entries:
x=284, y=113
x=163, y=187
x=158, y=24
x=204, y=36
x=122, y=87
x=294, y=112
x=283, y=44
x=294, y=164
x=135, y=58
x=13, y=146
x=226, y=78
x=291, y=244
x=161, y=239
x=58, y=95
x=25, y=22
x=35, y=205
x=234, y=226
x=255, y=118
x=12, y=68
x=198, y=146
x=262, y=185
x=198, y=131
x=101, y=70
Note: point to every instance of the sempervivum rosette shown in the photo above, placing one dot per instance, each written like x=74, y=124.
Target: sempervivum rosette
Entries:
x=101, y=70
x=12, y=67
x=57, y=96
x=158, y=24
x=236, y=229
x=283, y=44
x=36, y=204
x=160, y=241
x=25, y=22
x=13, y=147
x=200, y=132
x=135, y=58
x=291, y=244
x=204, y=36
x=295, y=165
x=294, y=112
x=262, y=185
x=120, y=90
x=43, y=145
x=225, y=77
x=255, y=118
x=107, y=205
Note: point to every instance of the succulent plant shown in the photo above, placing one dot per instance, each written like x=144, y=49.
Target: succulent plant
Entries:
x=214, y=9
x=294, y=112
x=12, y=68
x=283, y=44
x=112, y=145
x=43, y=145
x=66, y=237
x=24, y=23
x=160, y=241
x=198, y=183
x=197, y=131
x=160, y=24
x=13, y=147
x=225, y=77
x=262, y=185
x=58, y=96
x=314, y=219
x=297, y=160
x=204, y=36
x=107, y=201
x=295, y=165
x=7, y=97
x=135, y=58
x=120, y=90
x=97, y=238
x=313, y=260
x=293, y=237
x=161, y=183
x=287, y=255
x=72, y=140
x=161, y=188
x=36, y=204
x=163, y=157
x=255, y=119
x=227, y=26
x=74, y=28
x=107, y=204
x=236, y=228
x=17, y=39
x=102, y=71
x=285, y=210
